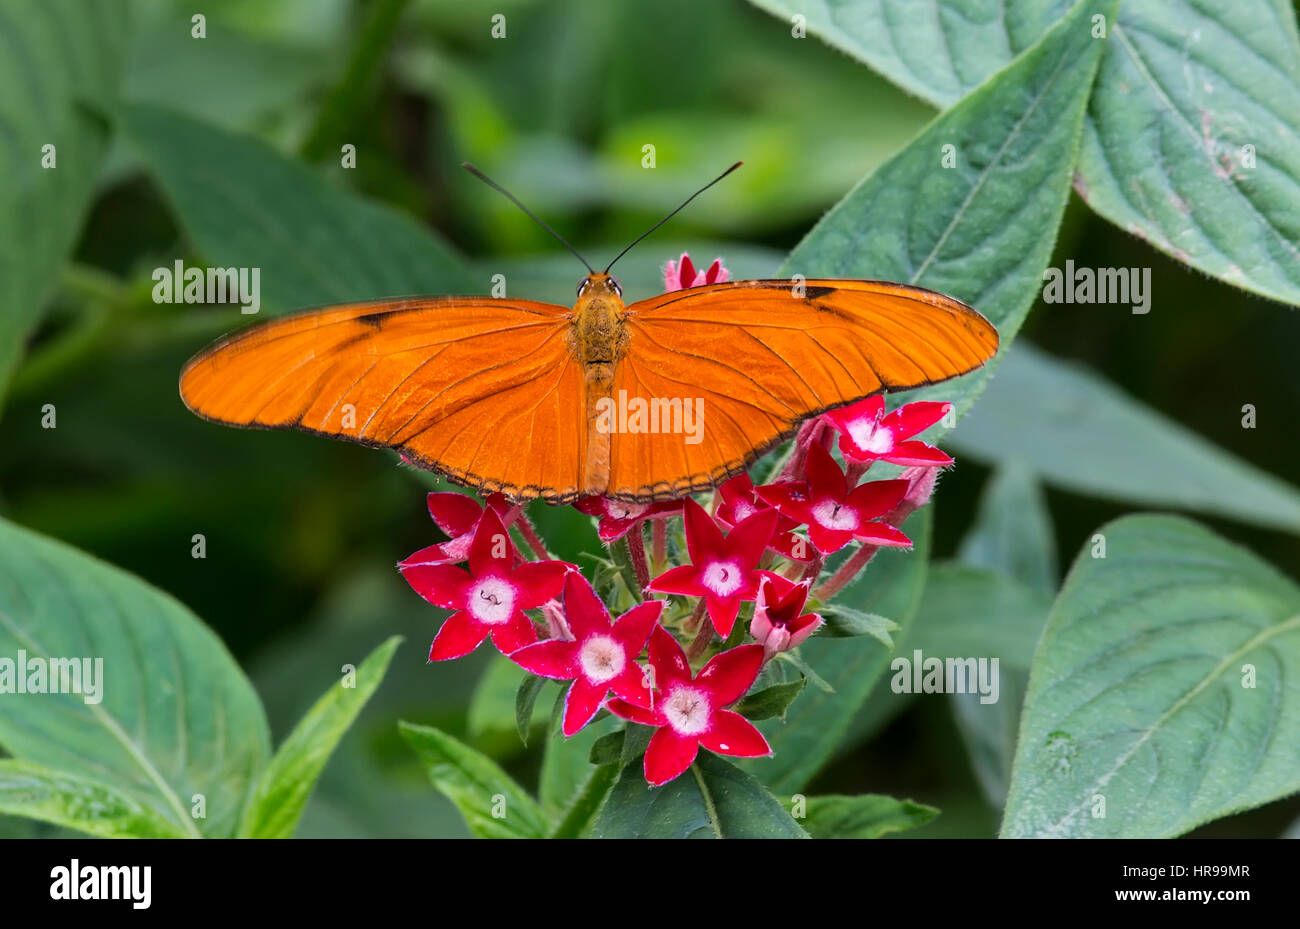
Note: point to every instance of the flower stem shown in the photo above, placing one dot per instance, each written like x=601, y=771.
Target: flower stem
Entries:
x=659, y=541
x=636, y=549
x=700, y=644
x=531, y=537
x=847, y=572
x=693, y=623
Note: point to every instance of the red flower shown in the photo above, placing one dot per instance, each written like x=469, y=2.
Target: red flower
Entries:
x=739, y=502
x=868, y=433
x=457, y=515
x=600, y=658
x=616, y=517
x=680, y=275
x=779, y=622
x=722, y=569
x=689, y=712
x=491, y=597
x=834, y=514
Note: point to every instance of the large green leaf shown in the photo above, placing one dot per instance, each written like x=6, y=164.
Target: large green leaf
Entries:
x=77, y=803
x=282, y=791
x=60, y=68
x=712, y=800
x=493, y=805
x=177, y=718
x=1191, y=137
x=1164, y=685
x=1183, y=88
x=940, y=53
x=983, y=229
x=817, y=721
x=244, y=205
x=1081, y=433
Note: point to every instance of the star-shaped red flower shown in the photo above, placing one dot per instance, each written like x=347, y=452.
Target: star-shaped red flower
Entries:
x=722, y=568
x=600, y=658
x=835, y=514
x=491, y=597
x=690, y=711
x=779, y=621
x=682, y=274
x=868, y=433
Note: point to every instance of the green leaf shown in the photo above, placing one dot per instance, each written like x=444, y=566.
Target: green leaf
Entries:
x=970, y=611
x=608, y=749
x=712, y=800
x=244, y=205
x=867, y=816
x=579, y=816
x=59, y=73
x=36, y=792
x=276, y=806
x=770, y=701
x=1184, y=88
x=983, y=230
x=1012, y=533
x=494, y=706
x=939, y=56
x=815, y=724
x=1163, y=686
x=176, y=718
x=843, y=622
x=566, y=764
x=1081, y=433
x=494, y=806
x=525, y=700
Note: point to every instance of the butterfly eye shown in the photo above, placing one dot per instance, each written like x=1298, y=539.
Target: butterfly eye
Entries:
x=582, y=285
x=614, y=284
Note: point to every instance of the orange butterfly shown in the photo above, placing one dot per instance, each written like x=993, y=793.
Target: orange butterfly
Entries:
x=646, y=402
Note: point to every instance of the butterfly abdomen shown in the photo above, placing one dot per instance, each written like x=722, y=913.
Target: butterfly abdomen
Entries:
x=601, y=342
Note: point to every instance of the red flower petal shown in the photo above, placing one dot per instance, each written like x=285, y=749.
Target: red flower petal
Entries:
x=749, y=539
x=703, y=537
x=631, y=686
x=634, y=713
x=581, y=704
x=826, y=540
x=683, y=580
x=686, y=271
x=442, y=585
x=876, y=498
x=792, y=498
x=539, y=581
x=515, y=633
x=585, y=612
x=667, y=658
x=876, y=533
x=825, y=479
x=723, y=613
x=438, y=554
x=729, y=674
x=911, y=418
x=632, y=629
x=554, y=658
x=918, y=454
x=455, y=514
x=459, y=636
x=732, y=734
x=668, y=755
x=491, y=552
x=870, y=408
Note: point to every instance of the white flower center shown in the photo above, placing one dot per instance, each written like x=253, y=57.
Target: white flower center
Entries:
x=601, y=658
x=687, y=710
x=741, y=510
x=492, y=601
x=834, y=515
x=723, y=578
x=619, y=510
x=868, y=435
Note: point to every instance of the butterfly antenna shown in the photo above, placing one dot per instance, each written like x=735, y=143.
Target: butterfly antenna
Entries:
x=674, y=213
x=535, y=218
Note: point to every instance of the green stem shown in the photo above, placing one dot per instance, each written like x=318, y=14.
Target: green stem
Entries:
x=584, y=808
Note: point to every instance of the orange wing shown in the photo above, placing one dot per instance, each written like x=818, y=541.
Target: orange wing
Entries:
x=487, y=392
x=760, y=359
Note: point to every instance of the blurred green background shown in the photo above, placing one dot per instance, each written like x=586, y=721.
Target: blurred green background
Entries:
x=302, y=533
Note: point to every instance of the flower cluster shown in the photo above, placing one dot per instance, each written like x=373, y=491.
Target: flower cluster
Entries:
x=739, y=587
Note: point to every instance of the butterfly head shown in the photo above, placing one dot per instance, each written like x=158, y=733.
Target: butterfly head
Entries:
x=598, y=284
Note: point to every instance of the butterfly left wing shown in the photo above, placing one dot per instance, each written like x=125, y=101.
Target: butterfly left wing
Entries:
x=485, y=391
x=764, y=355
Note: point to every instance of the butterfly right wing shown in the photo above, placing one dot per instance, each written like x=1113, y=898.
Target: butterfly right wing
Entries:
x=487, y=392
